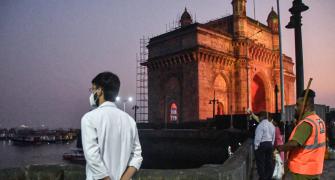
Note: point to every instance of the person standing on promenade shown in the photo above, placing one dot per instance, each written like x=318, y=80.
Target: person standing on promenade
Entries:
x=253, y=121
x=307, y=142
x=110, y=138
x=278, y=136
x=263, y=144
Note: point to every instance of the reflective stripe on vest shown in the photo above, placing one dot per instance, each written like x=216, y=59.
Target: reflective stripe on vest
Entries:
x=316, y=143
x=309, y=158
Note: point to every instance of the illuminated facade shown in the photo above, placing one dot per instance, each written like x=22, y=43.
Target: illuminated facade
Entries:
x=235, y=56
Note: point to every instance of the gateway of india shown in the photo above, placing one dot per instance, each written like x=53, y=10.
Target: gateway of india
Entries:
x=234, y=59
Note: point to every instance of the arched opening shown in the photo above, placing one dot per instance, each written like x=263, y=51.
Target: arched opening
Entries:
x=172, y=99
x=258, y=94
x=221, y=94
x=220, y=83
x=219, y=110
x=173, y=113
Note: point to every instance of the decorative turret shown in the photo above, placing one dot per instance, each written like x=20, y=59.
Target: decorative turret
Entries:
x=273, y=21
x=240, y=18
x=239, y=7
x=185, y=19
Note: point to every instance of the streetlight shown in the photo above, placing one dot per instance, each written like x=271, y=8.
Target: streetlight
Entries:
x=130, y=99
x=214, y=101
x=282, y=114
x=118, y=99
x=295, y=23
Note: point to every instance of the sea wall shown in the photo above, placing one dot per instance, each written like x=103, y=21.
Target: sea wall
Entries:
x=186, y=149
x=237, y=167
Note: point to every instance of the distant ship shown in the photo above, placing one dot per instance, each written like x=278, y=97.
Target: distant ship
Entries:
x=7, y=134
x=76, y=155
x=25, y=135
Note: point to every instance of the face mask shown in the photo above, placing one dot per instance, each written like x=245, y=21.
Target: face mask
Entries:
x=93, y=103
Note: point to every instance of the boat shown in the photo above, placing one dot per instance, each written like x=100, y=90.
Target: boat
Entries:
x=25, y=136
x=75, y=155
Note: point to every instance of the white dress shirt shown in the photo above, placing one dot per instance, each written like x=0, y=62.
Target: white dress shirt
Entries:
x=265, y=131
x=110, y=142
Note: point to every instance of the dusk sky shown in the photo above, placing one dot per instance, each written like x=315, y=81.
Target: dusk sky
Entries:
x=51, y=49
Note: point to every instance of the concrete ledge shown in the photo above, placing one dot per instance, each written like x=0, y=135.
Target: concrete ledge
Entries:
x=237, y=167
x=12, y=174
x=189, y=148
x=50, y=172
x=74, y=172
x=240, y=164
x=44, y=172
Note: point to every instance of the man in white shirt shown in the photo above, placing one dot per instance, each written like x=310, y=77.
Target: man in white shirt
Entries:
x=110, y=138
x=263, y=143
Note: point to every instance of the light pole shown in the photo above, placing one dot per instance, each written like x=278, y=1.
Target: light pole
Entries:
x=135, y=108
x=282, y=114
x=130, y=99
x=231, y=118
x=295, y=23
x=213, y=101
x=276, y=98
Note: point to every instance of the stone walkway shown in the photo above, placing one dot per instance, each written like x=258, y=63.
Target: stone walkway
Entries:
x=328, y=172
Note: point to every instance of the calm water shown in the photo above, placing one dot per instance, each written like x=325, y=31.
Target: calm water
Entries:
x=18, y=156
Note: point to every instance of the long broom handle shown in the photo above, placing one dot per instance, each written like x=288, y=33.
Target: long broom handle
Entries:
x=305, y=99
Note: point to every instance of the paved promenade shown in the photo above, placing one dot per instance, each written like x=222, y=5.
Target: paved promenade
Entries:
x=328, y=172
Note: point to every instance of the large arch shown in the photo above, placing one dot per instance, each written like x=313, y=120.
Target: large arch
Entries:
x=261, y=93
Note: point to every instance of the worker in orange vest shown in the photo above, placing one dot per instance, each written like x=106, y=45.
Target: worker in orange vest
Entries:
x=307, y=142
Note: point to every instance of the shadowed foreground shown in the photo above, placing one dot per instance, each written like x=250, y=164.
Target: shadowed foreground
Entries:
x=237, y=167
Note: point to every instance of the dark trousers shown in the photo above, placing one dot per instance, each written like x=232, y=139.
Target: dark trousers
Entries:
x=264, y=160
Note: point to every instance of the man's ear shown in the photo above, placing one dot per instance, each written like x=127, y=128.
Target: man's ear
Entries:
x=100, y=92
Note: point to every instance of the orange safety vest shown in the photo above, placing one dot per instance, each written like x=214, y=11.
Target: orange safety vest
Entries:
x=308, y=159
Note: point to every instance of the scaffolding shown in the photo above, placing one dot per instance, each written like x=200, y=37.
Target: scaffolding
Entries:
x=142, y=83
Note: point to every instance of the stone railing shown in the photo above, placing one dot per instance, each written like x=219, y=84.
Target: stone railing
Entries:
x=237, y=167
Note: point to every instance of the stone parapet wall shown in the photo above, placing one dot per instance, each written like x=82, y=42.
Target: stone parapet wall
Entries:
x=237, y=167
x=44, y=172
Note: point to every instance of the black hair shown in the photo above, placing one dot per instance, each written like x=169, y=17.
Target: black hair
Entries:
x=277, y=121
x=109, y=83
x=311, y=93
x=264, y=115
x=310, y=98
